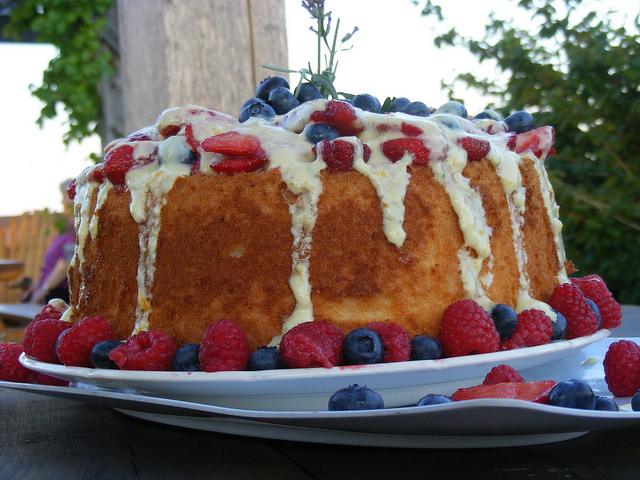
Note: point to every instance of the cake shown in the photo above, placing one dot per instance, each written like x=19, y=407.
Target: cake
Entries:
x=200, y=217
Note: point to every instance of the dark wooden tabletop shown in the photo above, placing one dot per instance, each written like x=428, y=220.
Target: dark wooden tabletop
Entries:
x=50, y=438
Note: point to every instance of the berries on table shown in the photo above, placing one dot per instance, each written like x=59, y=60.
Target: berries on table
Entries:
x=502, y=374
x=606, y=404
x=150, y=351
x=476, y=148
x=466, y=329
x=569, y=300
x=355, y=397
x=41, y=342
x=622, y=368
x=265, y=358
x=396, y=341
x=224, y=347
x=312, y=344
x=504, y=318
x=534, y=328
x=320, y=131
x=265, y=87
x=11, y=370
x=367, y=102
x=76, y=343
x=100, y=354
x=594, y=288
x=186, y=358
x=418, y=109
x=433, y=399
x=424, y=347
x=362, y=346
x=572, y=394
x=282, y=100
x=537, y=391
x=520, y=122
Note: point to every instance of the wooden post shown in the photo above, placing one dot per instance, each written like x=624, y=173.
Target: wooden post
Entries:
x=202, y=52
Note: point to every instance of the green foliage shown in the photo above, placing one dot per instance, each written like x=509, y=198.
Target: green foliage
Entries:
x=71, y=80
x=577, y=71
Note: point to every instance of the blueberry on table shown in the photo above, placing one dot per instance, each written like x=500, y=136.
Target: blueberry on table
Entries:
x=453, y=108
x=100, y=354
x=559, y=327
x=265, y=358
x=606, y=404
x=520, y=122
x=573, y=394
x=321, y=131
x=398, y=103
x=433, y=399
x=282, y=100
x=424, y=347
x=264, y=88
x=362, y=346
x=256, y=108
x=417, y=109
x=367, y=102
x=355, y=397
x=307, y=92
x=186, y=358
x=505, y=319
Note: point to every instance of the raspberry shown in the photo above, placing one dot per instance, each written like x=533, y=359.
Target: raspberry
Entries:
x=396, y=341
x=622, y=368
x=570, y=302
x=11, y=369
x=75, y=344
x=44, y=379
x=502, y=374
x=476, y=148
x=594, y=288
x=43, y=335
x=466, y=329
x=312, y=344
x=151, y=351
x=53, y=310
x=534, y=328
x=224, y=347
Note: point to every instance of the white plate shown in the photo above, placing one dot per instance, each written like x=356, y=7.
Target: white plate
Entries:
x=400, y=384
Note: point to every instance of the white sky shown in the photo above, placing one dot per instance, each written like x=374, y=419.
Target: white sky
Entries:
x=392, y=55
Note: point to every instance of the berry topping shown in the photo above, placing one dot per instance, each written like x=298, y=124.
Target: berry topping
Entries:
x=341, y=115
x=42, y=338
x=339, y=154
x=243, y=152
x=594, y=288
x=476, y=148
x=396, y=148
x=467, y=329
x=75, y=344
x=622, y=368
x=71, y=189
x=396, y=341
x=312, y=344
x=367, y=102
x=530, y=391
x=176, y=150
x=570, y=302
x=307, y=92
x=433, y=399
x=11, y=370
x=186, y=358
x=355, y=397
x=319, y=131
x=265, y=358
x=282, y=100
x=538, y=141
x=424, y=347
x=120, y=160
x=256, y=108
x=559, y=327
x=488, y=115
x=397, y=104
x=149, y=351
x=417, y=109
x=504, y=318
x=362, y=346
x=265, y=87
x=224, y=347
x=502, y=374
x=572, y=394
x=606, y=404
x=520, y=122
x=534, y=328
x=635, y=402
x=100, y=354
x=453, y=108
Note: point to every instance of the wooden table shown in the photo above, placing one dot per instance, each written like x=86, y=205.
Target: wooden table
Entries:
x=10, y=269
x=49, y=438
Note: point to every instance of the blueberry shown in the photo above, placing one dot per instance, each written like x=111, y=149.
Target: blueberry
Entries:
x=265, y=358
x=398, y=103
x=307, y=92
x=453, y=108
x=505, y=319
x=417, y=109
x=595, y=309
x=635, y=402
x=282, y=100
x=362, y=346
x=256, y=108
x=449, y=121
x=606, y=404
x=100, y=354
x=488, y=114
x=424, y=347
x=520, y=122
x=433, y=399
x=321, y=131
x=186, y=358
x=559, y=327
x=573, y=394
x=264, y=88
x=175, y=150
x=355, y=397
x=366, y=102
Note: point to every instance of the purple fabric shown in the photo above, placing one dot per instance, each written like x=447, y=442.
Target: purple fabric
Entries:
x=61, y=248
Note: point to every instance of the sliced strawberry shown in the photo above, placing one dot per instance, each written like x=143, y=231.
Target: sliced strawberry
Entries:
x=96, y=174
x=395, y=149
x=337, y=154
x=233, y=144
x=191, y=139
x=406, y=128
x=538, y=141
x=512, y=140
x=530, y=391
x=71, y=189
x=120, y=160
x=171, y=121
x=235, y=165
x=340, y=115
x=476, y=148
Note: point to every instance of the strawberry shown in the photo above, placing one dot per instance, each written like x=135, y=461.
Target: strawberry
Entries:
x=235, y=165
x=406, y=129
x=538, y=141
x=340, y=115
x=530, y=391
x=396, y=148
x=71, y=189
x=476, y=148
x=96, y=174
x=243, y=151
x=120, y=160
x=339, y=154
